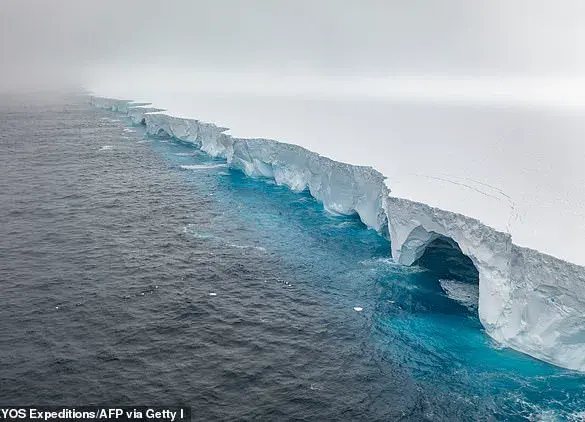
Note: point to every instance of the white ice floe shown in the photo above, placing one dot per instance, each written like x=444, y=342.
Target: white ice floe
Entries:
x=258, y=248
x=465, y=293
x=201, y=166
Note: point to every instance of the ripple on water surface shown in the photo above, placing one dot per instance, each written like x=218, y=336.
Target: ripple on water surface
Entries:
x=150, y=272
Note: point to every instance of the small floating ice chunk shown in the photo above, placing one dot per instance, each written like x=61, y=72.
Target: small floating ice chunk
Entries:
x=185, y=154
x=106, y=147
x=212, y=294
x=202, y=166
x=358, y=308
x=258, y=248
x=467, y=294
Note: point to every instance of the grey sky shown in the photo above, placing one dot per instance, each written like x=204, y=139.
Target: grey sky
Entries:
x=510, y=52
x=45, y=42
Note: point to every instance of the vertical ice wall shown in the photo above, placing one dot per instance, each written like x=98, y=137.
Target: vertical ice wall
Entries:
x=527, y=300
x=413, y=226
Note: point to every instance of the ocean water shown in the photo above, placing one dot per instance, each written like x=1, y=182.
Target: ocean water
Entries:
x=137, y=270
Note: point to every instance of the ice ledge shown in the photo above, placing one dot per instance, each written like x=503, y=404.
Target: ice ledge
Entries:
x=528, y=300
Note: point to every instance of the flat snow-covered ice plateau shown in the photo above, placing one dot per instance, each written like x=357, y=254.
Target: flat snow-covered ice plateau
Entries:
x=506, y=184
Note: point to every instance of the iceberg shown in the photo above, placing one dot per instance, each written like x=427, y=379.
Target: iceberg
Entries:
x=528, y=300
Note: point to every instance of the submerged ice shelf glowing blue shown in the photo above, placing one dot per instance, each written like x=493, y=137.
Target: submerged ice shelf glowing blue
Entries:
x=528, y=300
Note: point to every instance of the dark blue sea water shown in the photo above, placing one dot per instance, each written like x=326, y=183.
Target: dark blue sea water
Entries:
x=142, y=271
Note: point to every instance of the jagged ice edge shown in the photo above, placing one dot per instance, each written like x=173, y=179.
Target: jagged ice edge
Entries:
x=528, y=300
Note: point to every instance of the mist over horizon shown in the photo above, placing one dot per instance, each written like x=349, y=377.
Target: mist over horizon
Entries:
x=495, y=85
x=531, y=50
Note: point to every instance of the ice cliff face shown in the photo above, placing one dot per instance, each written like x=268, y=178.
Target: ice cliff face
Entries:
x=413, y=226
x=342, y=188
x=528, y=300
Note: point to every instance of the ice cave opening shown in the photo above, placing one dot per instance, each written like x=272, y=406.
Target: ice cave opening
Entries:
x=455, y=272
x=444, y=258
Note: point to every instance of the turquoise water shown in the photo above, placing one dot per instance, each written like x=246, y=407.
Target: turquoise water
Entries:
x=410, y=319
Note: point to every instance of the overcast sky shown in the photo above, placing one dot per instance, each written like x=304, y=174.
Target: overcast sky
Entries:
x=527, y=51
x=70, y=41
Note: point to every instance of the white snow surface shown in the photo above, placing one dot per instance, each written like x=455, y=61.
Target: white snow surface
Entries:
x=507, y=185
